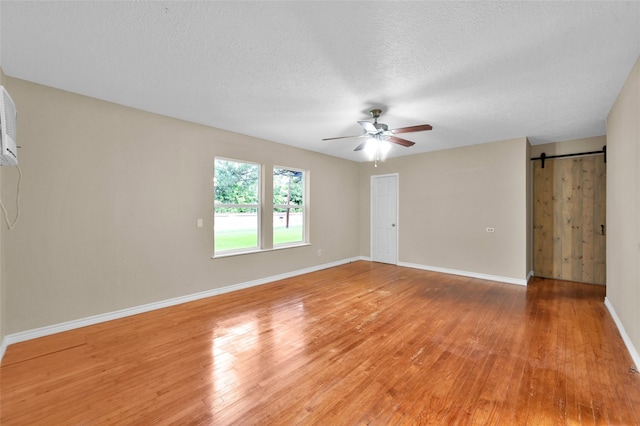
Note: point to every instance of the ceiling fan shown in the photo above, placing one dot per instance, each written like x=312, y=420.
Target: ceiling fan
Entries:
x=381, y=132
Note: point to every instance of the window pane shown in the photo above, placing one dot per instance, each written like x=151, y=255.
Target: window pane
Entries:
x=237, y=199
x=288, y=190
x=235, y=228
x=288, y=226
x=236, y=182
x=288, y=187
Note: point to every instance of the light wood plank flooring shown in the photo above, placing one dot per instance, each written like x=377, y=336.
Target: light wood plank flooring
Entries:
x=363, y=343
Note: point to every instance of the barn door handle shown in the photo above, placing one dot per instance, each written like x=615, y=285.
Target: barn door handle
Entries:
x=602, y=229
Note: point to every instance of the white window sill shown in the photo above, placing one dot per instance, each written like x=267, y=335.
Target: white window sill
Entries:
x=242, y=253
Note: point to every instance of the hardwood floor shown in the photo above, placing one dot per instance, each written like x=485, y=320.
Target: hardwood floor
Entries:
x=363, y=343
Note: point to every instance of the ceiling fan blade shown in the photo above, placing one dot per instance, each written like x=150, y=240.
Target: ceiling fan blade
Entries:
x=400, y=141
x=361, y=146
x=342, y=137
x=369, y=127
x=419, y=128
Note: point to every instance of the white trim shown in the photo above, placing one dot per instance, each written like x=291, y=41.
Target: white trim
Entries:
x=498, y=278
x=625, y=337
x=240, y=253
x=529, y=275
x=96, y=319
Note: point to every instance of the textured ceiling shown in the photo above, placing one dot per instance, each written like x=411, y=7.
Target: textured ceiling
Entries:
x=297, y=72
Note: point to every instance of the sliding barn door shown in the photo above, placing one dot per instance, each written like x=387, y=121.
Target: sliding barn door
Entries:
x=569, y=224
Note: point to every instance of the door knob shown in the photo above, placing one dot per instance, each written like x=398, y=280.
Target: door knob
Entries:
x=393, y=224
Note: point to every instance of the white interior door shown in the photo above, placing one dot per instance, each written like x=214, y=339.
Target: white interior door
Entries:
x=384, y=218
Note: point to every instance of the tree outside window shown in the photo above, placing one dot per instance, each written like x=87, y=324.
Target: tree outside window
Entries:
x=288, y=206
x=237, y=206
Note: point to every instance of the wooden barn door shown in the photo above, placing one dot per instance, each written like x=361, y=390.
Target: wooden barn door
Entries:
x=569, y=224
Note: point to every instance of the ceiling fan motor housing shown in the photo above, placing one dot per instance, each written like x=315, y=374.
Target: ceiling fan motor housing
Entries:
x=375, y=113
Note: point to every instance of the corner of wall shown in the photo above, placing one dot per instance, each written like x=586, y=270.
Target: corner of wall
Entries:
x=2, y=280
x=529, y=207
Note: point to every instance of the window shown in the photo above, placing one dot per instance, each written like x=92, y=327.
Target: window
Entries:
x=236, y=205
x=239, y=212
x=288, y=206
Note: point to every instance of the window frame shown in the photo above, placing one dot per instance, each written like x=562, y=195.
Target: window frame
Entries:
x=264, y=214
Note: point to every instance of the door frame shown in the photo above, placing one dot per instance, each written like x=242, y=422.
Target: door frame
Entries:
x=371, y=223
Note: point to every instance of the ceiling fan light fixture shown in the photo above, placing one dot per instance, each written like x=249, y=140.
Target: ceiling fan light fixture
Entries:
x=377, y=149
x=384, y=147
x=370, y=148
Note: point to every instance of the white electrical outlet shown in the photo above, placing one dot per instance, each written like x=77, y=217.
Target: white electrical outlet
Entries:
x=199, y=223
x=320, y=252
x=490, y=230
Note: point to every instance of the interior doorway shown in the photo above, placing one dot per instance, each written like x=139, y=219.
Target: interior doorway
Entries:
x=569, y=219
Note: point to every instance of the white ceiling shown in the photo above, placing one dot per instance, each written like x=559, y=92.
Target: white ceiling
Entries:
x=297, y=72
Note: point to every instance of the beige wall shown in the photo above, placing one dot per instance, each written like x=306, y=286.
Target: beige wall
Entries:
x=570, y=146
x=111, y=196
x=623, y=206
x=447, y=200
x=109, y=204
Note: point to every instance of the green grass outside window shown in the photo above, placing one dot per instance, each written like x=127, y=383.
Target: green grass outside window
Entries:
x=246, y=239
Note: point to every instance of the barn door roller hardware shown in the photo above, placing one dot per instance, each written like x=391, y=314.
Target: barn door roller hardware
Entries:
x=544, y=156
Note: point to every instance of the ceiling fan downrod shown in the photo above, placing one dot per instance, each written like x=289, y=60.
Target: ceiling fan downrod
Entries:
x=380, y=127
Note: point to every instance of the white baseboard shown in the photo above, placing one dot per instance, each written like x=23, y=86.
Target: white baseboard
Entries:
x=96, y=319
x=507, y=280
x=625, y=337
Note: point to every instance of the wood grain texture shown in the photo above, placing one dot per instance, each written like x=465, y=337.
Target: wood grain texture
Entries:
x=363, y=343
x=588, y=168
x=543, y=220
x=600, y=222
x=569, y=212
